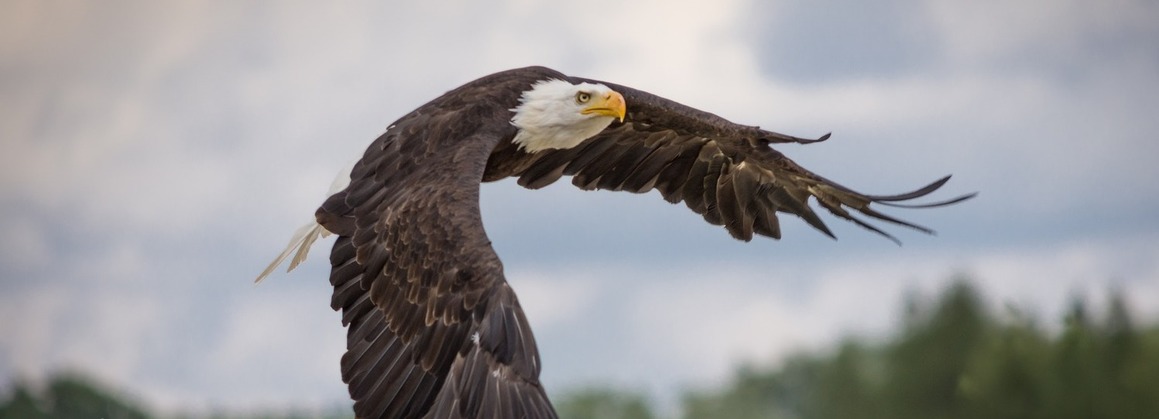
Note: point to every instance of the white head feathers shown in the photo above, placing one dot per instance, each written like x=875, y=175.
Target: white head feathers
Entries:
x=556, y=114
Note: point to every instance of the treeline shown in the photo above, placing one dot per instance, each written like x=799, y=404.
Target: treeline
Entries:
x=68, y=395
x=954, y=359
x=951, y=358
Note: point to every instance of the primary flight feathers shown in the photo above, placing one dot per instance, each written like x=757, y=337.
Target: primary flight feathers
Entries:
x=434, y=330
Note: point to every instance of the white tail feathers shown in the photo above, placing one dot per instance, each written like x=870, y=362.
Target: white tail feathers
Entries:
x=307, y=234
x=299, y=246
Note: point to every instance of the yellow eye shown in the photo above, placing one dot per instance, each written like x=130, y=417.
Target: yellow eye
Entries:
x=583, y=97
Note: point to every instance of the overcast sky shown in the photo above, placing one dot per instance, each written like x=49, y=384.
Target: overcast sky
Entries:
x=154, y=156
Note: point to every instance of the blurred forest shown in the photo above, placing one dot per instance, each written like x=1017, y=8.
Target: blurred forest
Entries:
x=950, y=358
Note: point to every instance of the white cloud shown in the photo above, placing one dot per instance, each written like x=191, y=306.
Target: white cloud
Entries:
x=27, y=345
x=26, y=247
x=135, y=133
x=551, y=298
x=991, y=31
x=278, y=345
x=105, y=333
x=691, y=323
x=706, y=322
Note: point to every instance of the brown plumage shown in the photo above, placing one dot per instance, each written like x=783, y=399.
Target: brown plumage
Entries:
x=434, y=329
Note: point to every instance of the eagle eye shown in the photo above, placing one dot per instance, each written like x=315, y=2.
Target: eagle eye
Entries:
x=583, y=97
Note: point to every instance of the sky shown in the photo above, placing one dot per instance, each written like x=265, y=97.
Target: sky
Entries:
x=154, y=156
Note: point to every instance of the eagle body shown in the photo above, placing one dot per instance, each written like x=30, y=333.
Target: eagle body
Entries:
x=433, y=328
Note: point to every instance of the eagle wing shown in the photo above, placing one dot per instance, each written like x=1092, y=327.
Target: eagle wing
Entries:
x=434, y=330
x=726, y=172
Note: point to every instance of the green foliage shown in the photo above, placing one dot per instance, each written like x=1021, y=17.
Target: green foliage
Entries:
x=955, y=360
x=595, y=403
x=951, y=358
x=745, y=398
x=68, y=396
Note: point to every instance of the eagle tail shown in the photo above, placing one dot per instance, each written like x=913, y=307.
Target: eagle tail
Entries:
x=306, y=235
x=299, y=246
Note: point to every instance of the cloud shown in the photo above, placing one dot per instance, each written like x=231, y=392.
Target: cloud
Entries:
x=1043, y=32
x=664, y=329
x=279, y=336
x=154, y=157
x=840, y=40
x=555, y=298
x=105, y=333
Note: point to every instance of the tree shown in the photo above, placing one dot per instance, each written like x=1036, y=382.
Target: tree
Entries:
x=953, y=359
x=595, y=403
x=927, y=364
x=68, y=396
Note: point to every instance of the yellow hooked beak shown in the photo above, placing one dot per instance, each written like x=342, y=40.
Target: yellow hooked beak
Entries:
x=611, y=104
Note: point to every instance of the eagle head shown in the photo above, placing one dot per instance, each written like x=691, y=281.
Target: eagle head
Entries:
x=558, y=114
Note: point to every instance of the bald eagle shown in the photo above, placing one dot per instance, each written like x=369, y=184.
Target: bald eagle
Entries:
x=434, y=330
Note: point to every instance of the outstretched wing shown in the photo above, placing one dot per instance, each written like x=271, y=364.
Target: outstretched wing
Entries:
x=724, y=171
x=434, y=329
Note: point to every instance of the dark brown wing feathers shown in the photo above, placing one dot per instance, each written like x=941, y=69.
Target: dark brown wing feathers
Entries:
x=726, y=172
x=433, y=328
